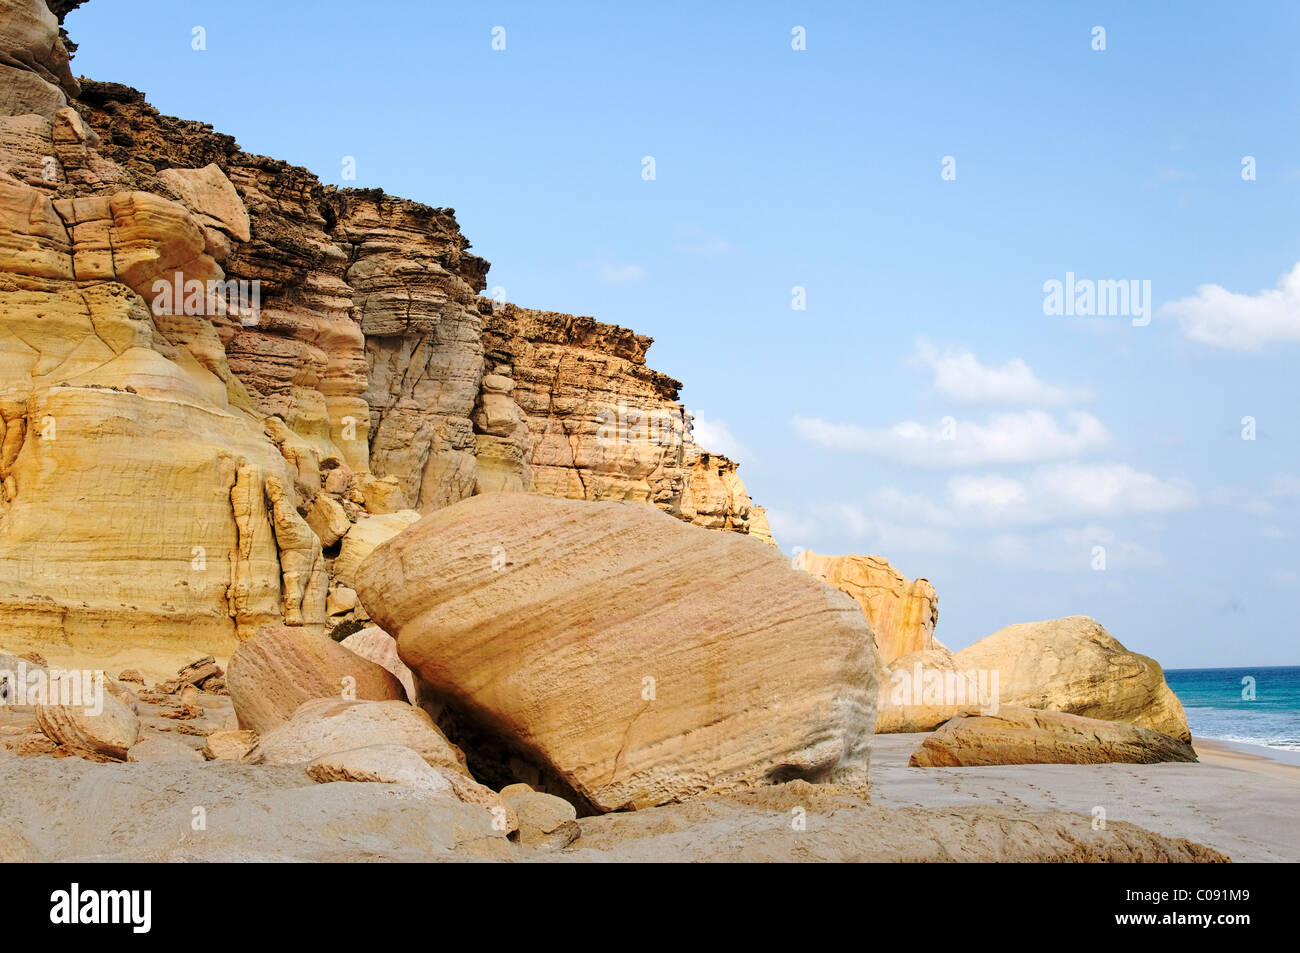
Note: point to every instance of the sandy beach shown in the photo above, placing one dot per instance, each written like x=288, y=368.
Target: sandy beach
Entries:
x=1233, y=800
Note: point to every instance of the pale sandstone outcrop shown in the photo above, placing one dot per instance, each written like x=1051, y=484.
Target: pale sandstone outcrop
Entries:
x=188, y=447
x=212, y=198
x=902, y=613
x=273, y=673
x=379, y=763
x=1024, y=736
x=603, y=642
x=376, y=645
x=362, y=539
x=34, y=73
x=324, y=727
x=544, y=819
x=228, y=744
x=162, y=749
x=95, y=726
x=1075, y=666
x=921, y=690
x=397, y=764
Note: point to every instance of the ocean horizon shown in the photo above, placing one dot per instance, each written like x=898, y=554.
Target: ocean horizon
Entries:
x=1255, y=706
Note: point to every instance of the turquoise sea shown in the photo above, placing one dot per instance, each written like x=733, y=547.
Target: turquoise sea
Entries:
x=1257, y=706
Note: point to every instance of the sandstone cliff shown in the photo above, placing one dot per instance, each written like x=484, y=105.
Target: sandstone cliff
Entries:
x=212, y=367
x=902, y=613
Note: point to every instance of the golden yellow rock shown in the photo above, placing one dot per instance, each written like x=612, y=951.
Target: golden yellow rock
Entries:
x=80, y=714
x=321, y=727
x=1075, y=666
x=902, y=613
x=374, y=644
x=273, y=673
x=1024, y=736
x=921, y=690
x=641, y=659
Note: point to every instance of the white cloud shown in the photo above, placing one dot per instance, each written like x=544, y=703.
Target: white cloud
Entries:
x=1274, y=532
x=790, y=527
x=1066, y=491
x=1284, y=486
x=959, y=376
x=1072, y=550
x=615, y=274
x=824, y=521
x=1241, y=322
x=693, y=240
x=1027, y=437
x=714, y=436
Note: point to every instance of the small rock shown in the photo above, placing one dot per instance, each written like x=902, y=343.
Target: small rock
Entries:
x=544, y=820
x=328, y=519
x=34, y=743
x=162, y=749
x=375, y=645
x=340, y=601
x=338, y=481
x=228, y=745
x=1017, y=735
x=131, y=675
x=382, y=763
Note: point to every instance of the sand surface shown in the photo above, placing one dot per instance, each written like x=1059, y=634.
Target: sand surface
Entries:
x=1246, y=806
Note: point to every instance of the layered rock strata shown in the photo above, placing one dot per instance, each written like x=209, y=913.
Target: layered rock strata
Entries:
x=214, y=369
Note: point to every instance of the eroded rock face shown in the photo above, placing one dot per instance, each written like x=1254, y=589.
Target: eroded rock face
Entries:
x=375, y=645
x=222, y=457
x=281, y=667
x=1074, y=665
x=902, y=613
x=324, y=727
x=34, y=72
x=96, y=725
x=1024, y=736
x=396, y=764
x=919, y=691
x=605, y=643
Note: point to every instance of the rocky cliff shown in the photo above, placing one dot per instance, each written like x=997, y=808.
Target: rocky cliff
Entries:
x=213, y=368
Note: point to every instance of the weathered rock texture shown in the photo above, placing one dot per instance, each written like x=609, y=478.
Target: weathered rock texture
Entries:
x=1024, y=736
x=1075, y=666
x=281, y=667
x=324, y=727
x=96, y=725
x=902, y=613
x=921, y=690
x=640, y=659
x=184, y=452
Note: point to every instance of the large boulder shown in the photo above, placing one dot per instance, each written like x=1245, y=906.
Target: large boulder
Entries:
x=1024, y=736
x=323, y=727
x=1075, y=666
x=84, y=716
x=283, y=666
x=921, y=690
x=640, y=659
x=375, y=645
x=902, y=613
x=364, y=536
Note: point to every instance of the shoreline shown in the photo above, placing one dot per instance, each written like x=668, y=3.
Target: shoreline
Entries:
x=1276, y=762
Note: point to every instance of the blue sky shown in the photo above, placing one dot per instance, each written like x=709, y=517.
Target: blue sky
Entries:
x=924, y=320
